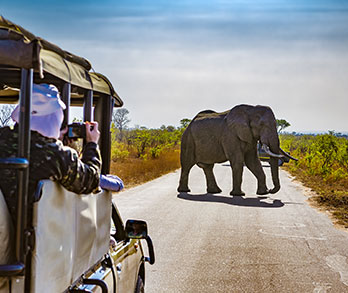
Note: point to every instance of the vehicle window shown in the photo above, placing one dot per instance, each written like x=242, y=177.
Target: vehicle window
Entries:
x=5, y=115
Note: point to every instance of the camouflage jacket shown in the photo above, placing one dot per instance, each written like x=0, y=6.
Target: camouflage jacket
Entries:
x=49, y=159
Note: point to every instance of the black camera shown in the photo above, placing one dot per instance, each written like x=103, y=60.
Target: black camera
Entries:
x=76, y=130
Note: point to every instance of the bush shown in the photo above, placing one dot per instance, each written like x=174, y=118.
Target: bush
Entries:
x=325, y=155
x=119, y=151
x=143, y=154
x=323, y=166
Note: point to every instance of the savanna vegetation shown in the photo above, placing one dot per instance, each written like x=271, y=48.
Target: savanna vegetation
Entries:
x=322, y=166
x=140, y=154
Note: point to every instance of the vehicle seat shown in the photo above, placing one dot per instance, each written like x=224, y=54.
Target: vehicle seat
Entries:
x=72, y=233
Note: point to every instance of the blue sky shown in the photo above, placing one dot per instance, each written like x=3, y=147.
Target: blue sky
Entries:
x=169, y=60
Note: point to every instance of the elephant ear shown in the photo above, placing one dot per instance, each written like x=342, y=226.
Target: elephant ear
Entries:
x=238, y=121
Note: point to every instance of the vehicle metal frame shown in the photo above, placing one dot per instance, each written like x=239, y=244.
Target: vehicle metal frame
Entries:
x=103, y=98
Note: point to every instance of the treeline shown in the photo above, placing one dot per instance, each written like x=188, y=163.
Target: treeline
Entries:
x=140, y=154
x=144, y=143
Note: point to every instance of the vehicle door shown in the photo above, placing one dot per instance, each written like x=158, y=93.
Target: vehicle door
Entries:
x=127, y=256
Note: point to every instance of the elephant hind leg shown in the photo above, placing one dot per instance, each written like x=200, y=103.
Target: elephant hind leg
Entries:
x=183, y=184
x=187, y=160
x=212, y=186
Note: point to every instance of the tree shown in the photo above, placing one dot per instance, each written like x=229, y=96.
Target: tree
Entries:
x=170, y=128
x=5, y=114
x=184, y=122
x=120, y=120
x=282, y=124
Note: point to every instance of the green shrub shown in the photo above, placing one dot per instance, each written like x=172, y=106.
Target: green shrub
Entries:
x=146, y=143
x=325, y=155
x=119, y=151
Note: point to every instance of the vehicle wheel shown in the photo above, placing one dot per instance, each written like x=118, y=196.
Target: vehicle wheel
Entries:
x=140, y=286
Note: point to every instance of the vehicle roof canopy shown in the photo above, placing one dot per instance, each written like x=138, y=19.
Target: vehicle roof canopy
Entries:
x=21, y=49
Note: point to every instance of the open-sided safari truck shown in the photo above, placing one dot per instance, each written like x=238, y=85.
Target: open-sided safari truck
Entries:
x=62, y=240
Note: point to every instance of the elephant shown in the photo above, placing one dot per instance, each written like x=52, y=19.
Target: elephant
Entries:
x=232, y=136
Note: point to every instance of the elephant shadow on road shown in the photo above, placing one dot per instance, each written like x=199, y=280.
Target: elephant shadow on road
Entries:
x=233, y=200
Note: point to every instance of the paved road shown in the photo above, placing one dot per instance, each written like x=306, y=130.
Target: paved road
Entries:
x=219, y=243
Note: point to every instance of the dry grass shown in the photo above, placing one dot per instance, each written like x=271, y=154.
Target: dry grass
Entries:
x=137, y=171
x=331, y=194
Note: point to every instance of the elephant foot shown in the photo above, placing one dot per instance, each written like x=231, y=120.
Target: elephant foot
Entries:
x=262, y=191
x=214, y=190
x=237, y=193
x=182, y=189
x=274, y=190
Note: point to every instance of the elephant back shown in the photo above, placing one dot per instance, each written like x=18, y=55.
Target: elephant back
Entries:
x=206, y=114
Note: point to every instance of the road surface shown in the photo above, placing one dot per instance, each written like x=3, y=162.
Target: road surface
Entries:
x=220, y=243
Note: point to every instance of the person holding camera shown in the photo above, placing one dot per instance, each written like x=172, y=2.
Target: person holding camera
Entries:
x=49, y=158
x=78, y=130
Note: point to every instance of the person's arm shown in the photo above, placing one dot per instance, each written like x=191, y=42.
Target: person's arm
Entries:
x=81, y=176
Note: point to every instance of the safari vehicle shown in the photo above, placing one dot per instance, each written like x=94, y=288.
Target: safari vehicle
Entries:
x=62, y=240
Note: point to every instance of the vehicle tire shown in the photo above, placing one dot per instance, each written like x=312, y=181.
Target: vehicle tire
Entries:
x=140, y=286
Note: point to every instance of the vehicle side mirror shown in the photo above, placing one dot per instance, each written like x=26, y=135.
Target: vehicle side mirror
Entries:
x=136, y=229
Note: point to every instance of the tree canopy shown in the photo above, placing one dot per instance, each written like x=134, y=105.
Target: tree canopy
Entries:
x=282, y=124
x=185, y=122
x=120, y=118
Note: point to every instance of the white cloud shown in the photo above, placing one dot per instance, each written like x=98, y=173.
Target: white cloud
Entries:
x=168, y=63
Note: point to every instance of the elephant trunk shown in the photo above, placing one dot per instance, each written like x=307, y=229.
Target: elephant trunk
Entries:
x=274, y=151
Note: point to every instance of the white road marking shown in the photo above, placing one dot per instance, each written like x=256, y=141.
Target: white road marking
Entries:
x=321, y=287
x=282, y=226
x=338, y=263
x=292, y=236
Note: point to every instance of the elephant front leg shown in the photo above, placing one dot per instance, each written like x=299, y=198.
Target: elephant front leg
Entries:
x=237, y=173
x=254, y=165
x=212, y=186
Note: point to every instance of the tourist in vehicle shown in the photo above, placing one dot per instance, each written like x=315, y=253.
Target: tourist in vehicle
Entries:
x=108, y=182
x=49, y=158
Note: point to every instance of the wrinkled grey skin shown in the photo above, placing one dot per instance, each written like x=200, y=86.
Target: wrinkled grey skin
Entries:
x=230, y=136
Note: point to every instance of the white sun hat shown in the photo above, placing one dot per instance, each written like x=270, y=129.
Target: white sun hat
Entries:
x=46, y=110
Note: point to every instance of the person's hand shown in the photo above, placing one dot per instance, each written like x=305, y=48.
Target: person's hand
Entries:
x=65, y=139
x=62, y=133
x=92, y=132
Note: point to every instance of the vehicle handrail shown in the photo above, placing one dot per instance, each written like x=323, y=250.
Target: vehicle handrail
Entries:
x=14, y=163
x=10, y=270
x=151, y=258
x=97, y=282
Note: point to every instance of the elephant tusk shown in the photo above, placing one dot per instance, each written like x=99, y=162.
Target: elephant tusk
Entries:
x=268, y=151
x=288, y=155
